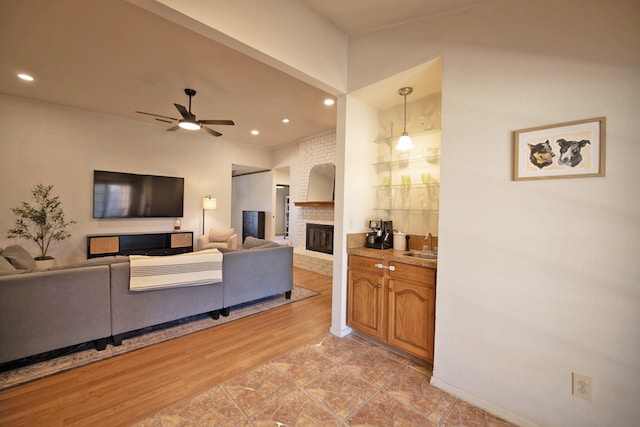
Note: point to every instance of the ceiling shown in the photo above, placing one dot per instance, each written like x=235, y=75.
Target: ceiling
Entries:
x=115, y=58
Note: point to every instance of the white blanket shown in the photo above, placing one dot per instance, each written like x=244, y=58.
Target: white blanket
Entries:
x=190, y=269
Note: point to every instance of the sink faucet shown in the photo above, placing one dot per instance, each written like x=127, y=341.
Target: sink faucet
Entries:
x=429, y=238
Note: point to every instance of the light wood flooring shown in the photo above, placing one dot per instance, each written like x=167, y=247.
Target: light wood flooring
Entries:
x=130, y=387
x=279, y=367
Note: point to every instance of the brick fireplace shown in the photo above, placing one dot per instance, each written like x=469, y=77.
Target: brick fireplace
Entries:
x=313, y=151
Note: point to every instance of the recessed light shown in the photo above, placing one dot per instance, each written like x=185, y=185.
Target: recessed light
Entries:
x=255, y=132
x=25, y=77
x=285, y=120
x=329, y=101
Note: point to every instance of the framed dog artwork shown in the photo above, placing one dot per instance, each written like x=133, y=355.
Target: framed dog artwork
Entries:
x=565, y=150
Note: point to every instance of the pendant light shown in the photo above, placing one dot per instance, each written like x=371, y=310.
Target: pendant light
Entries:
x=404, y=143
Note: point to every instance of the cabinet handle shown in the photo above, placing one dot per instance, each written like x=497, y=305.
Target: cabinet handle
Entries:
x=390, y=268
x=379, y=286
x=390, y=290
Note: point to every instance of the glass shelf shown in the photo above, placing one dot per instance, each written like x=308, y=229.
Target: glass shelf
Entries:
x=415, y=134
x=420, y=198
x=433, y=211
x=409, y=187
x=412, y=160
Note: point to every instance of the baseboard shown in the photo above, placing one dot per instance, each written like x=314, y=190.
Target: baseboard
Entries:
x=340, y=333
x=482, y=404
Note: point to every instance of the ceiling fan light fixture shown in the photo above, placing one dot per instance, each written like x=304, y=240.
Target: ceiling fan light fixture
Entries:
x=404, y=143
x=189, y=124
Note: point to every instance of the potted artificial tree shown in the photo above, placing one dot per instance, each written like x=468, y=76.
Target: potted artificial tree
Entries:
x=42, y=222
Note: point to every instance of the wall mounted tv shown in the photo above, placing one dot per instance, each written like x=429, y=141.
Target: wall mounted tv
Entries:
x=128, y=195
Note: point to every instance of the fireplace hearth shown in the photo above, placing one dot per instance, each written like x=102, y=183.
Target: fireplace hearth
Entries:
x=320, y=238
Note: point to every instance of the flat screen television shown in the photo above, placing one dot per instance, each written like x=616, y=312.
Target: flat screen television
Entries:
x=128, y=195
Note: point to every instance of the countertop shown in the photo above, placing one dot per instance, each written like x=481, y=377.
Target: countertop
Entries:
x=393, y=255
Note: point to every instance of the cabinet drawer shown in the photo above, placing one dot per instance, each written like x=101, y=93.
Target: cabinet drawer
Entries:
x=414, y=273
x=364, y=263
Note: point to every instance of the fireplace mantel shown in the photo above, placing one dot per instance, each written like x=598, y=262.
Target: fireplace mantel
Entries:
x=315, y=204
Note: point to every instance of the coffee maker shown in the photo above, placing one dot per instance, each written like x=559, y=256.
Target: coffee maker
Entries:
x=382, y=235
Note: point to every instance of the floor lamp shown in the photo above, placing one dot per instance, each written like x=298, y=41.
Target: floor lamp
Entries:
x=208, y=203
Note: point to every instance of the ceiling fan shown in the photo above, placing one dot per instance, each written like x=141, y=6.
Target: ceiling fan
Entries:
x=188, y=120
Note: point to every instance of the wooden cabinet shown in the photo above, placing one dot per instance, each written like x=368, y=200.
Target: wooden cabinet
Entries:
x=365, y=296
x=170, y=243
x=393, y=302
x=411, y=324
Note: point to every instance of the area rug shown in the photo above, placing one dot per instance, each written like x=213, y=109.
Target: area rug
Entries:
x=54, y=362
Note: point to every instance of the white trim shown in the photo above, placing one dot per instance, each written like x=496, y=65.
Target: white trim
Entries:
x=490, y=407
x=341, y=333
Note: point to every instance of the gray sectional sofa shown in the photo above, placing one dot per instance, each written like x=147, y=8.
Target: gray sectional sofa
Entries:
x=46, y=310
x=43, y=311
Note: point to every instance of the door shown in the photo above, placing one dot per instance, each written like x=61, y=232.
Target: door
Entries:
x=365, y=298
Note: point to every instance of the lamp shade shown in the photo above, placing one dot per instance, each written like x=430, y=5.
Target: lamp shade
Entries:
x=209, y=203
x=404, y=143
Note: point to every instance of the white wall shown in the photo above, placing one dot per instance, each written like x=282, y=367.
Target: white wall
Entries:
x=287, y=158
x=285, y=34
x=357, y=127
x=253, y=192
x=535, y=279
x=50, y=144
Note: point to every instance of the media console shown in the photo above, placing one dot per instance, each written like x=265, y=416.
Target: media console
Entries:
x=170, y=243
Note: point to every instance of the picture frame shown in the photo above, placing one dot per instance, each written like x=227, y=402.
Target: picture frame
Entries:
x=565, y=150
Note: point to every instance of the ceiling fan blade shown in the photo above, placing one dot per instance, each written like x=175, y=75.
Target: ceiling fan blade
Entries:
x=176, y=127
x=156, y=115
x=185, y=114
x=211, y=131
x=163, y=120
x=217, y=122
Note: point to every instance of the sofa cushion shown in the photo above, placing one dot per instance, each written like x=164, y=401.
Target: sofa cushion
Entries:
x=103, y=260
x=6, y=266
x=226, y=250
x=255, y=243
x=221, y=235
x=19, y=257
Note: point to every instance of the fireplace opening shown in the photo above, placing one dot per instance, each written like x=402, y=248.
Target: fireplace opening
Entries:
x=320, y=238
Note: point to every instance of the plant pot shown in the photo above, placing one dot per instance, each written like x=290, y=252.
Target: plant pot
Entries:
x=45, y=263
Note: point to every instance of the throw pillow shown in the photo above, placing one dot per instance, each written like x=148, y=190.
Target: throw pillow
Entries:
x=6, y=266
x=252, y=242
x=19, y=257
x=221, y=235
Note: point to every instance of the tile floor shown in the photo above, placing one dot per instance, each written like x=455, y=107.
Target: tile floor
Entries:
x=328, y=382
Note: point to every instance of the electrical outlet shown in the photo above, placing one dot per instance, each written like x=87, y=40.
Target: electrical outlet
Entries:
x=581, y=386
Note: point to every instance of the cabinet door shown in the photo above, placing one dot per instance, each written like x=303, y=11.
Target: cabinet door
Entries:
x=412, y=315
x=365, y=307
